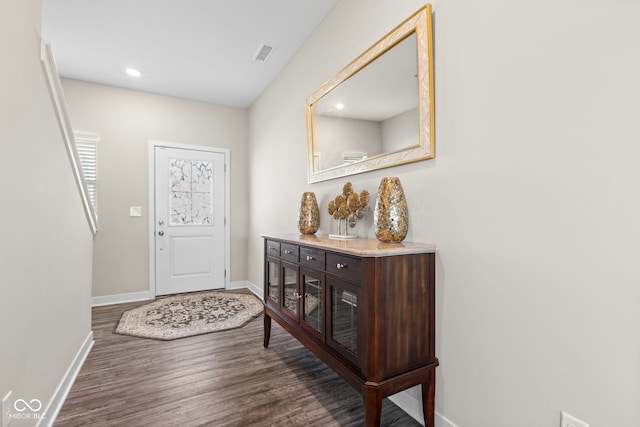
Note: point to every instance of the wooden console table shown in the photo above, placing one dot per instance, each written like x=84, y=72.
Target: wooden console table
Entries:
x=365, y=308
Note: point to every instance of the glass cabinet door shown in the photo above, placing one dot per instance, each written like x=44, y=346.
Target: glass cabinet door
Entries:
x=344, y=318
x=312, y=302
x=291, y=296
x=273, y=281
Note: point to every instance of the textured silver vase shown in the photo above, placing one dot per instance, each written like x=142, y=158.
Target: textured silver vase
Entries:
x=391, y=216
x=308, y=215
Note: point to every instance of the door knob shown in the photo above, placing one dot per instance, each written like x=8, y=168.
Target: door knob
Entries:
x=161, y=233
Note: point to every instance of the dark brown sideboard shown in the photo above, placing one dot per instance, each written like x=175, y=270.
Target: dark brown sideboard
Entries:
x=365, y=308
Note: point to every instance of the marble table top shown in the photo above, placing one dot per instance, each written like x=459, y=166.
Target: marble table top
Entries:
x=362, y=247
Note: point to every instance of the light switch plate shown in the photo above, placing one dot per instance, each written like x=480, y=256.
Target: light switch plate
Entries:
x=135, y=211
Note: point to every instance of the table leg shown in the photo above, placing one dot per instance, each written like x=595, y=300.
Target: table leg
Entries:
x=267, y=329
x=428, y=398
x=372, y=406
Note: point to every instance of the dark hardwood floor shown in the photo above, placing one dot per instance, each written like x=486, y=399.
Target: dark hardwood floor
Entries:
x=221, y=379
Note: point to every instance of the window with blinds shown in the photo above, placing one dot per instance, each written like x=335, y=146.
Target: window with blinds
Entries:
x=87, y=146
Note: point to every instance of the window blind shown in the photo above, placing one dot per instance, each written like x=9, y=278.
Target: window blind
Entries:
x=87, y=146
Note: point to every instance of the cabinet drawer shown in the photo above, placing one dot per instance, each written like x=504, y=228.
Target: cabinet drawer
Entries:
x=312, y=258
x=345, y=266
x=289, y=252
x=273, y=248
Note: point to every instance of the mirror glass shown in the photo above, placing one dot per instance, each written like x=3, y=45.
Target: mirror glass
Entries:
x=378, y=111
x=375, y=113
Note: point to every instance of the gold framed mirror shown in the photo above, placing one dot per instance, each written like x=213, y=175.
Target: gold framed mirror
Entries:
x=378, y=111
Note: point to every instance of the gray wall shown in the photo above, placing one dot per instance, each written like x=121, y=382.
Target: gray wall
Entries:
x=126, y=120
x=45, y=243
x=340, y=135
x=532, y=198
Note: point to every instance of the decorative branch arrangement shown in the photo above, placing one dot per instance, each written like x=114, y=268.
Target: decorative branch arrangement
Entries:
x=348, y=207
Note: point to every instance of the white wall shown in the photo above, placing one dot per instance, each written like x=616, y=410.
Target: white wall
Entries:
x=45, y=243
x=126, y=120
x=532, y=198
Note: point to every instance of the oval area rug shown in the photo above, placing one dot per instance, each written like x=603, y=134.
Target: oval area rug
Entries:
x=185, y=315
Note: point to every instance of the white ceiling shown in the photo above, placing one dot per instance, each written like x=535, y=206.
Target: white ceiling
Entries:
x=195, y=49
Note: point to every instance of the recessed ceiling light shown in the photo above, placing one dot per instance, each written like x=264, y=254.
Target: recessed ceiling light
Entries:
x=339, y=106
x=133, y=72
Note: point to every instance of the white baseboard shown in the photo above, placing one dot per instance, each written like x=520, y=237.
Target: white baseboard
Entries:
x=248, y=285
x=441, y=421
x=60, y=395
x=147, y=295
x=410, y=402
x=122, y=298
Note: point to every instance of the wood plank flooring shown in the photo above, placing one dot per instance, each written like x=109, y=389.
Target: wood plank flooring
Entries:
x=220, y=379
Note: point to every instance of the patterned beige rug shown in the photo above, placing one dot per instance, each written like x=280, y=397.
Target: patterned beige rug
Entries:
x=185, y=315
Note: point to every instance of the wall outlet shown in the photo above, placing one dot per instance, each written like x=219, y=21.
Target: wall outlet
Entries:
x=6, y=407
x=567, y=420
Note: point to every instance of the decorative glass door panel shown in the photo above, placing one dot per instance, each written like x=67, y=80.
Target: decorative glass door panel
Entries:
x=313, y=306
x=191, y=192
x=273, y=281
x=344, y=317
x=291, y=296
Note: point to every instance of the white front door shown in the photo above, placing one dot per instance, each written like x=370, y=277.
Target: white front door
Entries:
x=189, y=220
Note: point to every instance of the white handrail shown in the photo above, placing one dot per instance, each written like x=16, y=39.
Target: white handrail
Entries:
x=57, y=97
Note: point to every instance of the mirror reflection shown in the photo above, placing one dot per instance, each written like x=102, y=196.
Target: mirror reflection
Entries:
x=378, y=111
x=375, y=113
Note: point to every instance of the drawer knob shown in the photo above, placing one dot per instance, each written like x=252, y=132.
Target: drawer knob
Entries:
x=340, y=266
x=287, y=251
x=310, y=258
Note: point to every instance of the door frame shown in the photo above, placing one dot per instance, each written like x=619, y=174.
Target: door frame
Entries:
x=153, y=143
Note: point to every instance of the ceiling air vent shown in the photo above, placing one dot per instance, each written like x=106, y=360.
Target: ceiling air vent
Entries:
x=263, y=52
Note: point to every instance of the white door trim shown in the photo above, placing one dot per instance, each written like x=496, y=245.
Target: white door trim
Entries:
x=227, y=203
